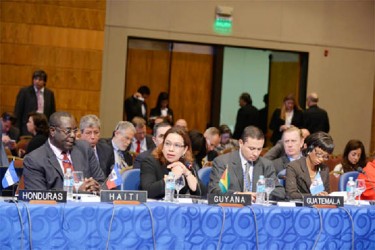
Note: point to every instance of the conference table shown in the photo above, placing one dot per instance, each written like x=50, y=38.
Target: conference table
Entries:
x=161, y=225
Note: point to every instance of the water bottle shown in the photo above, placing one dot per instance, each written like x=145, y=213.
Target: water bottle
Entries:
x=350, y=191
x=169, y=187
x=261, y=190
x=68, y=183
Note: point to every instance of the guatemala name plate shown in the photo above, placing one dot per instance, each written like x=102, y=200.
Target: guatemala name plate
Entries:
x=42, y=195
x=329, y=201
x=239, y=199
x=117, y=195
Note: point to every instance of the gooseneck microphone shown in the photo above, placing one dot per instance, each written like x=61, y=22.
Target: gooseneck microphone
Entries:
x=190, y=166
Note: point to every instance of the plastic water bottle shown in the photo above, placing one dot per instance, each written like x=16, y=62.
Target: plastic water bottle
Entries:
x=169, y=187
x=261, y=190
x=68, y=183
x=350, y=191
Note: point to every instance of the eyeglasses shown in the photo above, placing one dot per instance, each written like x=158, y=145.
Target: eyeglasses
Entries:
x=321, y=155
x=95, y=133
x=67, y=131
x=169, y=144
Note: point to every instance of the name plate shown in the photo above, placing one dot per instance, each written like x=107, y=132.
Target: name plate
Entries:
x=323, y=201
x=42, y=195
x=117, y=195
x=235, y=199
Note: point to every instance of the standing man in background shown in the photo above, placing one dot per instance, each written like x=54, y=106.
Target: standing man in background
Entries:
x=315, y=119
x=247, y=115
x=34, y=98
x=136, y=105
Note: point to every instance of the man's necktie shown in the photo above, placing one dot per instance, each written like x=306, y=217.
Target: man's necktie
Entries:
x=40, y=101
x=138, y=150
x=66, y=162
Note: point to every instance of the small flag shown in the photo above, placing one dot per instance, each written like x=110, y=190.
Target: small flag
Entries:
x=10, y=177
x=224, y=181
x=114, y=178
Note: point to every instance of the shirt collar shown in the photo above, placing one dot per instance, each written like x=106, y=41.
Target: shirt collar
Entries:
x=41, y=90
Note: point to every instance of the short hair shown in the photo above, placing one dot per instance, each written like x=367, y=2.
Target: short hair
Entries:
x=160, y=125
x=252, y=132
x=321, y=140
x=138, y=122
x=246, y=97
x=144, y=90
x=313, y=97
x=89, y=121
x=40, y=123
x=8, y=117
x=124, y=125
x=54, y=119
x=211, y=131
x=40, y=74
x=224, y=129
x=293, y=129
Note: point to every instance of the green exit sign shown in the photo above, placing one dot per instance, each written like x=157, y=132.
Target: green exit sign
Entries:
x=223, y=26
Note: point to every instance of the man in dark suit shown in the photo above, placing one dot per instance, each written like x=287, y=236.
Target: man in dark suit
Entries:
x=90, y=132
x=44, y=167
x=135, y=105
x=245, y=160
x=141, y=141
x=247, y=115
x=315, y=119
x=10, y=134
x=35, y=98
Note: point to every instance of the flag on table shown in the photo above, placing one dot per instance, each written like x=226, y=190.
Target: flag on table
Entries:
x=224, y=181
x=10, y=177
x=114, y=178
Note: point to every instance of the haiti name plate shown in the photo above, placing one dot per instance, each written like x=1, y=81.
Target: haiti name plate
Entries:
x=42, y=195
x=233, y=199
x=117, y=195
x=327, y=201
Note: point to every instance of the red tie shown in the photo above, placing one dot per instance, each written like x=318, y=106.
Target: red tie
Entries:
x=66, y=162
x=138, y=150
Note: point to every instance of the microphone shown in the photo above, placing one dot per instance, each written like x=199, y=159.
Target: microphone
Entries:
x=190, y=166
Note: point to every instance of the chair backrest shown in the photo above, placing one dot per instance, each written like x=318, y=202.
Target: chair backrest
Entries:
x=204, y=175
x=131, y=179
x=344, y=179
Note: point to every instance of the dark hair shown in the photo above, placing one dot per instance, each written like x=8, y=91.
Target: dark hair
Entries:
x=158, y=152
x=160, y=125
x=144, y=90
x=40, y=74
x=246, y=98
x=224, y=129
x=55, y=118
x=8, y=117
x=252, y=132
x=321, y=140
x=353, y=145
x=40, y=123
x=162, y=97
x=198, y=146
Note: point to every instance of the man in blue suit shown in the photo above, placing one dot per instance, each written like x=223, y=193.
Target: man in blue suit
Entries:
x=44, y=167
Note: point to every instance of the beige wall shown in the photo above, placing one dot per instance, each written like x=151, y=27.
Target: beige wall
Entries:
x=344, y=79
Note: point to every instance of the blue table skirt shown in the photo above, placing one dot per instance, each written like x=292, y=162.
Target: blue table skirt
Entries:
x=87, y=226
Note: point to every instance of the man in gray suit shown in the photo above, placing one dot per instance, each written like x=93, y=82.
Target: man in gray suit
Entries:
x=44, y=167
x=245, y=162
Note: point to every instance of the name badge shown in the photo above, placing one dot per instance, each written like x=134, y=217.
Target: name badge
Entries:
x=323, y=201
x=236, y=199
x=118, y=195
x=42, y=195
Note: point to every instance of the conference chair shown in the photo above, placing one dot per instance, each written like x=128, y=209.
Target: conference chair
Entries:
x=344, y=178
x=282, y=177
x=204, y=175
x=131, y=179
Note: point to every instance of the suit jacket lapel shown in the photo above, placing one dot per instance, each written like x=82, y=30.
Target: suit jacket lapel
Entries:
x=306, y=175
x=53, y=160
x=237, y=169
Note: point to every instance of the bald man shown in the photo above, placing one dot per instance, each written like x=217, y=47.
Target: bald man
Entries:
x=315, y=119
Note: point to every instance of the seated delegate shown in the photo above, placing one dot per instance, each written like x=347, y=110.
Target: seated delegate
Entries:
x=173, y=155
x=309, y=175
x=44, y=167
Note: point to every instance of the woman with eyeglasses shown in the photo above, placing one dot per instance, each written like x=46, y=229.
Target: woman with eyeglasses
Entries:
x=309, y=175
x=173, y=155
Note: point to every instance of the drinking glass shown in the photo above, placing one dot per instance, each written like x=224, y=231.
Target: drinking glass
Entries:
x=360, y=187
x=77, y=180
x=179, y=184
x=270, y=186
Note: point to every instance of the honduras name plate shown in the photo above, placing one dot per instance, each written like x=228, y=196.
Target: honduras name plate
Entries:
x=327, y=201
x=117, y=195
x=42, y=195
x=235, y=199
